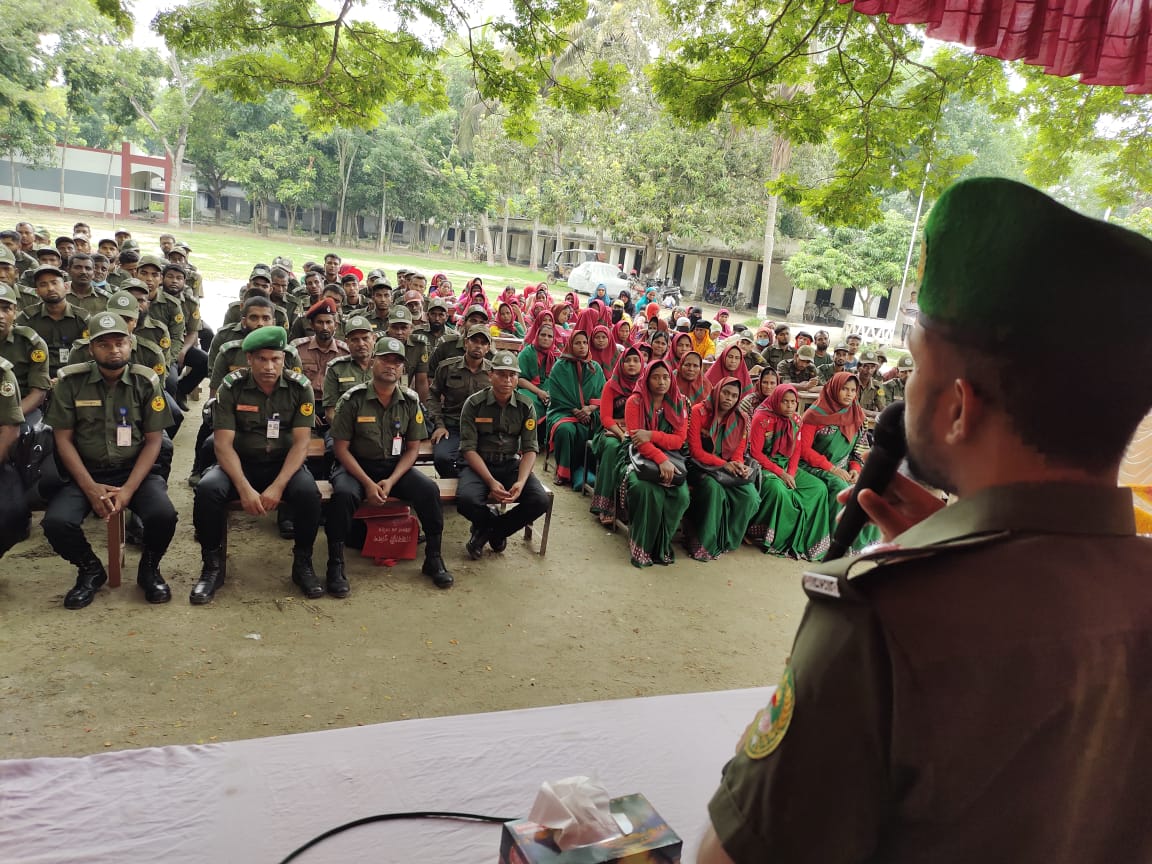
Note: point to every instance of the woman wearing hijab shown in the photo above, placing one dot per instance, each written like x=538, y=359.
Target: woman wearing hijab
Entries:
x=622, y=332
x=722, y=319
x=537, y=359
x=702, y=342
x=730, y=364
x=610, y=446
x=573, y=300
x=830, y=436
x=792, y=519
x=690, y=380
x=604, y=349
x=656, y=419
x=506, y=326
x=718, y=438
x=561, y=315
x=762, y=388
x=659, y=343
x=681, y=345
x=576, y=380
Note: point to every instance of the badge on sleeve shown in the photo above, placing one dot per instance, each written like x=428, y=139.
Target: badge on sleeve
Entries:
x=529, y=424
x=179, y=318
x=165, y=342
x=39, y=355
x=7, y=389
x=767, y=728
x=306, y=409
x=158, y=404
x=419, y=416
x=159, y=369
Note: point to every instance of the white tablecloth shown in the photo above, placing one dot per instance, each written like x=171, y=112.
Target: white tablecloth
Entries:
x=256, y=801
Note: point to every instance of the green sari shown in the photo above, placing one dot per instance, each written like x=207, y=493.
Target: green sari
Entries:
x=791, y=523
x=833, y=446
x=573, y=383
x=611, y=453
x=532, y=370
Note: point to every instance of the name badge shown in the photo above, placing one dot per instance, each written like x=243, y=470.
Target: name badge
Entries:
x=365, y=419
x=88, y=403
x=255, y=409
x=64, y=352
x=483, y=419
x=397, y=445
x=345, y=380
x=273, y=427
x=124, y=430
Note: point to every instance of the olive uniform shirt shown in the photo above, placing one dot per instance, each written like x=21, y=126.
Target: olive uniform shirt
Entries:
x=894, y=390
x=144, y=353
x=84, y=403
x=370, y=426
x=447, y=349
x=166, y=310
x=454, y=383
x=244, y=408
x=10, y=413
x=775, y=355
x=292, y=306
x=227, y=333
x=190, y=306
x=232, y=356
x=342, y=375
x=976, y=690
x=789, y=374
x=415, y=357
x=59, y=335
x=379, y=322
x=28, y=353
x=498, y=432
x=872, y=397
x=828, y=370
x=26, y=297
x=95, y=303
x=435, y=340
x=235, y=313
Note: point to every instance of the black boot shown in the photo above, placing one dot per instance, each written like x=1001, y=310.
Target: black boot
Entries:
x=148, y=577
x=434, y=564
x=498, y=544
x=475, y=545
x=211, y=577
x=337, y=581
x=90, y=575
x=303, y=574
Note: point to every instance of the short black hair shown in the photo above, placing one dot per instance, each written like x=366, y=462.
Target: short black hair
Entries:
x=256, y=302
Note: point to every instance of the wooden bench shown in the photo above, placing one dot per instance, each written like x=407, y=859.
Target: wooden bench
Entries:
x=447, y=487
x=507, y=343
x=117, y=541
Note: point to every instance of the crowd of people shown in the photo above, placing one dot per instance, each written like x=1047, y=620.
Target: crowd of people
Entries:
x=675, y=424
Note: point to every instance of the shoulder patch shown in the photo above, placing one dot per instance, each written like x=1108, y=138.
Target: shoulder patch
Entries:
x=770, y=724
x=38, y=355
x=158, y=404
x=233, y=377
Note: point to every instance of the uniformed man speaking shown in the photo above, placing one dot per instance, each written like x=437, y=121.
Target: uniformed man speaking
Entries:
x=376, y=433
x=108, y=417
x=499, y=446
x=262, y=420
x=978, y=688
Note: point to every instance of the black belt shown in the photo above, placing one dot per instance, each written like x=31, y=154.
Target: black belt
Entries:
x=499, y=458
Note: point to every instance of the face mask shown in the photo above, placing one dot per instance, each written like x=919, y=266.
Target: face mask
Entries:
x=763, y=343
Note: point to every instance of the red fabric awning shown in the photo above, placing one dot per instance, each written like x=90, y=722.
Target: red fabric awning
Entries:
x=1104, y=41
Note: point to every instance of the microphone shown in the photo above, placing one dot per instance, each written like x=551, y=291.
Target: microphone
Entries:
x=888, y=448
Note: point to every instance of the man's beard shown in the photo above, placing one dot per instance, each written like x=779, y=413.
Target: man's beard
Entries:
x=433, y=327
x=323, y=338
x=112, y=365
x=922, y=462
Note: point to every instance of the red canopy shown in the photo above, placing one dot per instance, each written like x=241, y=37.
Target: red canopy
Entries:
x=1104, y=41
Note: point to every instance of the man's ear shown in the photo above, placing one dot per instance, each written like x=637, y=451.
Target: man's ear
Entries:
x=966, y=410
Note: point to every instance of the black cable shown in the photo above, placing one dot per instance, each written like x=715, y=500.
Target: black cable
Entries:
x=388, y=817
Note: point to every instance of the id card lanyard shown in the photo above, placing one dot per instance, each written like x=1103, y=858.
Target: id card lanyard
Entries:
x=397, y=441
x=273, y=431
x=123, y=430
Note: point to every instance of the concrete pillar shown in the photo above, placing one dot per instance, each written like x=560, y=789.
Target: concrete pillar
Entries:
x=747, y=276
x=796, y=306
x=629, y=259
x=696, y=286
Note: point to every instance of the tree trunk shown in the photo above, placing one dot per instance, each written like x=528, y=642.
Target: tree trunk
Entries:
x=781, y=155
x=535, y=243
x=649, y=263
x=108, y=182
x=64, y=155
x=17, y=196
x=290, y=210
x=456, y=240
x=486, y=233
x=383, y=213
x=217, y=195
x=559, y=237
x=505, y=240
x=600, y=239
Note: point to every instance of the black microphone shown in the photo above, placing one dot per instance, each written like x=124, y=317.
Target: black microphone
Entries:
x=888, y=448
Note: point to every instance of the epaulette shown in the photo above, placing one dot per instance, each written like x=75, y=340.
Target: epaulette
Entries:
x=147, y=371
x=299, y=377
x=409, y=393
x=236, y=303
x=5, y=365
x=73, y=368
x=300, y=341
x=448, y=362
x=336, y=360
x=228, y=346
x=352, y=390
x=418, y=336
x=234, y=376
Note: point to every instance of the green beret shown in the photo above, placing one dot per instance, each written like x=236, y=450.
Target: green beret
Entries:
x=357, y=322
x=1004, y=263
x=388, y=345
x=105, y=323
x=124, y=303
x=272, y=337
x=505, y=360
x=478, y=330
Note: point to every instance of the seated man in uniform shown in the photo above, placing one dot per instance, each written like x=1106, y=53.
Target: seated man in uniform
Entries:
x=108, y=417
x=498, y=443
x=894, y=390
x=344, y=373
x=839, y=358
x=454, y=347
x=870, y=396
x=438, y=330
x=57, y=321
x=376, y=435
x=976, y=687
x=416, y=344
x=262, y=420
x=456, y=380
x=321, y=348
x=799, y=370
x=27, y=353
x=15, y=516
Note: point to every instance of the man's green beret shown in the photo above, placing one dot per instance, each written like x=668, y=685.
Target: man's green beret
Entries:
x=505, y=360
x=356, y=322
x=1003, y=262
x=388, y=345
x=124, y=303
x=106, y=323
x=272, y=337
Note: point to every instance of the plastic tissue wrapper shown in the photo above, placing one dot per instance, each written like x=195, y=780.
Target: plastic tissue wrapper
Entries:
x=577, y=808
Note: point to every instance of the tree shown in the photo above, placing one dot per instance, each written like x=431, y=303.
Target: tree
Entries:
x=277, y=164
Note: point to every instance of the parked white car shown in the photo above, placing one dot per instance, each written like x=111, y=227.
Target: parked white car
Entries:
x=585, y=277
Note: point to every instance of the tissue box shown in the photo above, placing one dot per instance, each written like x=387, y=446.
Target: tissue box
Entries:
x=650, y=840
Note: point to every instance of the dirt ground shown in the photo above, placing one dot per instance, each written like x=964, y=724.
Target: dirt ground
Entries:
x=516, y=631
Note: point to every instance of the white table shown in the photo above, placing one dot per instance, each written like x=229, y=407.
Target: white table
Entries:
x=257, y=800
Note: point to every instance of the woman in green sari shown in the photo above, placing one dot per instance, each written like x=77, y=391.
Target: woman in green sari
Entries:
x=576, y=380
x=656, y=419
x=537, y=358
x=610, y=446
x=792, y=520
x=718, y=438
x=830, y=436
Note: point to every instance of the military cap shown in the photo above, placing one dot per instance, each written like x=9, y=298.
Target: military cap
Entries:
x=399, y=315
x=357, y=322
x=335, y=288
x=840, y=346
x=906, y=362
x=993, y=247
x=413, y=295
x=124, y=302
x=505, y=360
x=437, y=303
x=6, y=256
x=282, y=261
x=273, y=337
x=129, y=245
x=47, y=250
x=323, y=306
x=151, y=261
x=8, y=294
x=104, y=240
x=133, y=285
x=474, y=308
x=374, y=274
x=401, y=271
x=176, y=250
x=805, y=352
x=172, y=265
x=378, y=283
x=388, y=345
x=478, y=330
x=41, y=231
x=865, y=357
x=47, y=268
x=106, y=323
x=260, y=272
x=184, y=246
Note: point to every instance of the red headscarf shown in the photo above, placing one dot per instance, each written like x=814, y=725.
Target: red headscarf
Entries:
x=602, y=310
x=605, y=356
x=673, y=407
x=719, y=371
x=725, y=327
x=573, y=300
x=777, y=424
x=729, y=430
x=652, y=310
x=544, y=359
x=619, y=337
x=620, y=386
x=586, y=320
x=679, y=337
x=696, y=391
x=829, y=412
